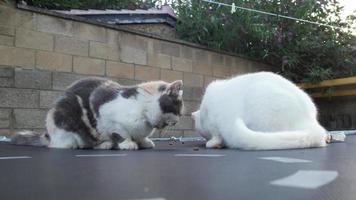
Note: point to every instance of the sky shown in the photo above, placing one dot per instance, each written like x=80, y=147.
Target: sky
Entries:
x=349, y=7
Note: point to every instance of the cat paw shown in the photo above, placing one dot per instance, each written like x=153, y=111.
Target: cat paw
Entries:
x=214, y=143
x=128, y=144
x=146, y=143
x=104, y=145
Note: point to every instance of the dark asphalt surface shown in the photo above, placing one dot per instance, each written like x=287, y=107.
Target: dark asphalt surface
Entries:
x=162, y=174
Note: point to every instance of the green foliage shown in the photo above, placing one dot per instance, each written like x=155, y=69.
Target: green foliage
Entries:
x=91, y=4
x=303, y=51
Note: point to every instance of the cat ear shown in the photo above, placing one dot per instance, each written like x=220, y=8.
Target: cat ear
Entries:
x=175, y=88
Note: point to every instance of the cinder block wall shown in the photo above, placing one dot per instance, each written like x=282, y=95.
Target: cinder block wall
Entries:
x=40, y=55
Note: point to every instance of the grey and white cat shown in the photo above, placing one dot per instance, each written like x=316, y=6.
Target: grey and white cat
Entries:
x=93, y=109
x=258, y=111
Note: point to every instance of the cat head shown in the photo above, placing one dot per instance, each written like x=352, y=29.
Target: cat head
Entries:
x=166, y=105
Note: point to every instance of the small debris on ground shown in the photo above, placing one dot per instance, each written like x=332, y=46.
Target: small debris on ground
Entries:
x=196, y=148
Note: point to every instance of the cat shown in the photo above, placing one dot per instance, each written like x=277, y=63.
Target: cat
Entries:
x=258, y=111
x=93, y=112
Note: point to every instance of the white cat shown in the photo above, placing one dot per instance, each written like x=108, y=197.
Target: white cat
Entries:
x=259, y=111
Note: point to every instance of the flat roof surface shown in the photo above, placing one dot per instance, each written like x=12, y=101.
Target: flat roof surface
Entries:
x=178, y=171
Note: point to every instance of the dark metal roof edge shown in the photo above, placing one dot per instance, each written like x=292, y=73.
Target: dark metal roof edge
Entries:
x=128, y=30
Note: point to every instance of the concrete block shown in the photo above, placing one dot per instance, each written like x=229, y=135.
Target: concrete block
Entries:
x=72, y=46
x=89, y=66
x=159, y=60
x=5, y=115
x=54, y=25
x=33, y=79
x=29, y=118
x=20, y=57
x=34, y=40
x=89, y=32
x=133, y=55
x=170, y=76
x=120, y=70
x=7, y=40
x=182, y=64
x=47, y=98
x=19, y=98
x=144, y=73
x=193, y=80
x=53, y=61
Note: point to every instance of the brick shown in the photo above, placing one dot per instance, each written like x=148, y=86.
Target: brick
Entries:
x=217, y=59
x=193, y=94
x=6, y=40
x=128, y=82
x=185, y=123
x=159, y=60
x=9, y=31
x=120, y=70
x=112, y=38
x=5, y=118
x=72, y=46
x=89, y=32
x=167, y=133
x=191, y=133
x=229, y=61
x=6, y=72
x=144, y=73
x=53, y=61
x=34, y=40
x=18, y=98
x=170, y=49
x=193, y=80
x=32, y=79
x=201, y=55
x=103, y=50
x=89, y=66
x=170, y=76
x=20, y=57
x=181, y=64
x=47, y=98
x=62, y=80
x=132, y=55
x=187, y=52
x=221, y=70
x=202, y=68
x=133, y=41
x=6, y=82
x=29, y=118
x=208, y=80
x=17, y=18
x=54, y=25
x=190, y=106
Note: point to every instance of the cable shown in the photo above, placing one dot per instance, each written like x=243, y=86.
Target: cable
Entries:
x=272, y=14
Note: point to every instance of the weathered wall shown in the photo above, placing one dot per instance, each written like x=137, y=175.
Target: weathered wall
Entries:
x=163, y=30
x=41, y=55
x=337, y=113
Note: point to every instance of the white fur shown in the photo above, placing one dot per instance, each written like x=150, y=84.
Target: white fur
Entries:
x=258, y=111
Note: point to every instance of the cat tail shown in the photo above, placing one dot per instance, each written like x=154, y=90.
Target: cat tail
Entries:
x=248, y=139
x=30, y=138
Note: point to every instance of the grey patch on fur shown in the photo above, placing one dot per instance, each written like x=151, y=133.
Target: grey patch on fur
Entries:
x=30, y=138
x=104, y=94
x=162, y=88
x=171, y=104
x=129, y=92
